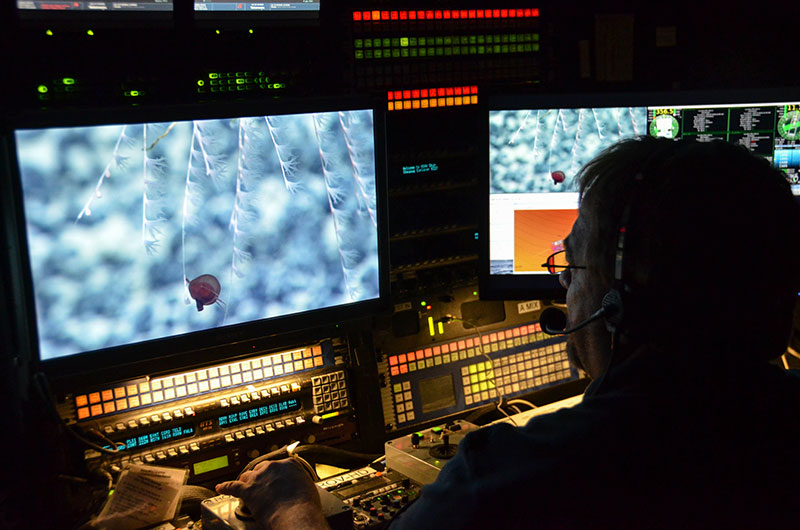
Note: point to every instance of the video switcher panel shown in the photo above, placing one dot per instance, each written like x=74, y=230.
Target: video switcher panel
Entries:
x=216, y=419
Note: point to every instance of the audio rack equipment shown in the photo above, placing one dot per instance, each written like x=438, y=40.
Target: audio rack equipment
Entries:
x=216, y=419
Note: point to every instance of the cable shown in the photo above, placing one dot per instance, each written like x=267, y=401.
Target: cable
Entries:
x=43, y=388
x=521, y=402
x=794, y=353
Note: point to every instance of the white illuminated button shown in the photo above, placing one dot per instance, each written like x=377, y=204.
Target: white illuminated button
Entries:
x=265, y=393
x=245, y=398
x=249, y=433
x=183, y=450
x=235, y=401
x=300, y=420
x=224, y=403
x=161, y=455
x=149, y=459
x=189, y=411
x=239, y=435
x=155, y=418
x=167, y=416
x=229, y=438
x=260, y=430
x=194, y=446
x=178, y=414
x=255, y=396
x=172, y=453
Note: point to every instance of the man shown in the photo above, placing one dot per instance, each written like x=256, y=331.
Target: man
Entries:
x=686, y=423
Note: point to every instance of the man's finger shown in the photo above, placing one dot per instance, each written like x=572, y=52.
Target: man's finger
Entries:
x=232, y=487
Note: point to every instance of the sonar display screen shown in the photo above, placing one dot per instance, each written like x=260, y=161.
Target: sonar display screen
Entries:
x=144, y=231
x=535, y=156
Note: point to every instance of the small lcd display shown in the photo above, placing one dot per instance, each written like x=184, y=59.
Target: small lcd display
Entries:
x=259, y=412
x=172, y=433
x=437, y=393
x=210, y=465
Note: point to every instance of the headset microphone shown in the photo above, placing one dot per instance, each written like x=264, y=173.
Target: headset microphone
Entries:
x=554, y=321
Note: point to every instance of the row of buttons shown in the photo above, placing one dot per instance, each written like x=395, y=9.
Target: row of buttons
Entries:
x=169, y=453
x=146, y=421
x=261, y=430
x=134, y=395
x=273, y=391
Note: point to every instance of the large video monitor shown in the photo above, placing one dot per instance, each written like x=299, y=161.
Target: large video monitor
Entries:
x=535, y=145
x=155, y=234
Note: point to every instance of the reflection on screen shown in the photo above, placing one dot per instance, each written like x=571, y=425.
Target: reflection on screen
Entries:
x=437, y=393
x=145, y=231
x=535, y=157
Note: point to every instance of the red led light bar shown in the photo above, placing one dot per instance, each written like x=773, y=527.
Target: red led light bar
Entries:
x=425, y=98
x=446, y=14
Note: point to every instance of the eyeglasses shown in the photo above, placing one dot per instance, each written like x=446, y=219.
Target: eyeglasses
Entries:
x=557, y=262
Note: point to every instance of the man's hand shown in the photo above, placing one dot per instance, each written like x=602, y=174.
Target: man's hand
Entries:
x=280, y=495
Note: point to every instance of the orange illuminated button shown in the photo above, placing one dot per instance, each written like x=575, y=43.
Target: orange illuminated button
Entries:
x=81, y=401
x=393, y=360
x=96, y=410
x=395, y=370
x=94, y=397
x=83, y=413
x=108, y=395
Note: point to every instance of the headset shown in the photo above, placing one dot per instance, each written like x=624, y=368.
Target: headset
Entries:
x=612, y=308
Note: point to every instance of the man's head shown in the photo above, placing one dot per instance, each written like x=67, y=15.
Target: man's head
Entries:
x=711, y=255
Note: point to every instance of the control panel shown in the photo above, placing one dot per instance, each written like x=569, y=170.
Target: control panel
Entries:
x=374, y=496
x=216, y=419
x=452, y=352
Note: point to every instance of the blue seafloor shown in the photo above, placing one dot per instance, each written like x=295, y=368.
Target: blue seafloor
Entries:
x=528, y=146
x=281, y=210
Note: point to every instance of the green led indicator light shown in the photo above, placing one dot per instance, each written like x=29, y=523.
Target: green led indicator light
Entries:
x=42, y=89
x=49, y=32
x=90, y=33
x=200, y=82
x=250, y=31
x=423, y=303
x=68, y=81
x=474, y=293
x=217, y=31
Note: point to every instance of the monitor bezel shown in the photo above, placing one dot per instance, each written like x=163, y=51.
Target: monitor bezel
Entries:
x=545, y=286
x=194, y=348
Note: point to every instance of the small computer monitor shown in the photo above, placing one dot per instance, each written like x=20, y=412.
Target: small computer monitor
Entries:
x=157, y=233
x=256, y=13
x=535, y=146
x=98, y=13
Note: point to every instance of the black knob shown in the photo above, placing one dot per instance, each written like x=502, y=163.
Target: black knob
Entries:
x=415, y=439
